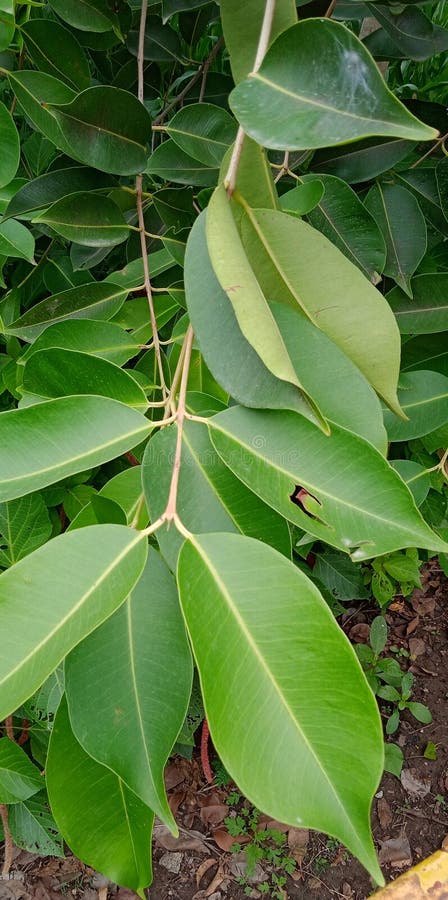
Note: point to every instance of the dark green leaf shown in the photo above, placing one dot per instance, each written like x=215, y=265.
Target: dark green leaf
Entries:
x=45, y=190
x=161, y=42
x=424, y=399
x=87, y=15
x=403, y=226
x=87, y=219
x=35, y=91
x=10, y=155
x=98, y=300
x=24, y=526
x=426, y=352
x=361, y=160
x=427, y=312
x=412, y=31
x=203, y=132
x=172, y=164
x=56, y=51
x=16, y=240
x=303, y=198
x=340, y=575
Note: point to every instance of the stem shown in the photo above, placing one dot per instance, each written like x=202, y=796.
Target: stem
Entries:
x=205, y=761
x=170, y=513
x=9, y=728
x=284, y=168
x=263, y=44
x=197, y=75
x=330, y=9
x=431, y=150
x=139, y=197
x=8, y=845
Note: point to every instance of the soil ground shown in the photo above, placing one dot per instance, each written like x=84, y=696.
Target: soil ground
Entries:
x=409, y=815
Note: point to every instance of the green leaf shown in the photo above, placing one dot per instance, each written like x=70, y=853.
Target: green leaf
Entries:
x=34, y=92
x=161, y=42
x=33, y=827
x=103, y=339
x=254, y=177
x=424, y=399
x=295, y=103
x=45, y=190
x=58, y=373
x=237, y=277
x=87, y=219
x=87, y=15
x=56, y=51
x=264, y=668
x=327, y=485
x=10, y=156
x=426, y=352
x=75, y=433
x=106, y=128
x=403, y=226
x=422, y=182
x=19, y=779
x=143, y=644
x=16, y=240
x=203, y=131
x=378, y=634
x=78, y=580
x=242, y=23
x=7, y=23
x=393, y=759
x=411, y=31
x=210, y=498
x=413, y=475
x=358, y=319
x=361, y=160
x=96, y=299
x=170, y=163
x=427, y=312
x=343, y=219
x=83, y=793
x=24, y=526
x=303, y=198
x=420, y=712
x=329, y=376
x=125, y=493
x=340, y=575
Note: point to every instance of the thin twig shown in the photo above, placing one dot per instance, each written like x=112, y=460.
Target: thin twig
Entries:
x=284, y=168
x=8, y=845
x=195, y=78
x=207, y=64
x=263, y=44
x=431, y=150
x=139, y=198
x=170, y=513
x=330, y=9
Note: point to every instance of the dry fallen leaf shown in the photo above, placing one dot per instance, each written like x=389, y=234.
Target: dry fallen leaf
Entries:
x=360, y=633
x=414, y=784
x=395, y=852
x=298, y=839
x=384, y=813
x=422, y=605
x=412, y=625
x=192, y=840
x=417, y=647
x=214, y=815
x=203, y=868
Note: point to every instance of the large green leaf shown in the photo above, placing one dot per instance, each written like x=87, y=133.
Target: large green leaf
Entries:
x=426, y=352
x=102, y=821
x=137, y=664
x=254, y=177
x=19, y=779
x=361, y=160
x=341, y=217
x=87, y=219
x=33, y=827
x=54, y=372
x=402, y=223
x=43, y=191
x=427, y=312
x=326, y=485
x=242, y=26
x=24, y=526
x=411, y=31
x=297, y=265
x=87, y=15
x=103, y=339
x=16, y=241
x=76, y=581
x=237, y=277
x=210, y=498
x=203, y=131
x=94, y=300
x=35, y=91
x=342, y=577
x=295, y=103
x=161, y=42
x=329, y=376
x=252, y=623
x=233, y=362
x=10, y=155
x=42, y=444
x=424, y=398
x=56, y=51
x=106, y=128
x=171, y=163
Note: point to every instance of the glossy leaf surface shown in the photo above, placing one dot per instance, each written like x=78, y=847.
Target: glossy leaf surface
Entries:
x=246, y=19
x=424, y=397
x=55, y=50
x=95, y=300
x=204, y=132
x=86, y=219
x=427, y=312
x=403, y=226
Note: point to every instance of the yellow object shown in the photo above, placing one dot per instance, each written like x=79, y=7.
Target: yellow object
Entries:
x=427, y=881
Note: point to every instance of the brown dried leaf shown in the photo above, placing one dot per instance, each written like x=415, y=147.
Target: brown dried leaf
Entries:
x=422, y=605
x=412, y=625
x=174, y=775
x=395, y=852
x=417, y=647
x=203, y=868
x=414, y=784
x=298, y=839
x=224, y=840
x=214, y=815
x=192, y=840
x=384, y=813
x=360, y=633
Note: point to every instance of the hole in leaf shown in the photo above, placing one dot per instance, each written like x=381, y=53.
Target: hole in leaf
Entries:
x=306, y=502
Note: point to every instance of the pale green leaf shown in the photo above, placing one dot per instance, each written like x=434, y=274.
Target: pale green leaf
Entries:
x=99, y=300
x=87, y=219
x=19, y=778
x=242, y=23
x=24, y=526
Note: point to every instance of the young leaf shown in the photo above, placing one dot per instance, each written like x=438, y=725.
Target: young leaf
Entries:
x=326, y=485
x=83, y=794
x=10, y=156
x=94, y=300
x=87, y=219
x=78, y=580
x=242, y=24
x=134, y=665
x=262, y=668
x=210, y=498
x=19, y=778
x=106, y=128
x=392, y=205
x=75, y=433
x=33, y=827
x=329, y=289
x=295, y=103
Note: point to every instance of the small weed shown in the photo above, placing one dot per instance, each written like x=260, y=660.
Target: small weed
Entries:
x=321, y=864
x=265, y=846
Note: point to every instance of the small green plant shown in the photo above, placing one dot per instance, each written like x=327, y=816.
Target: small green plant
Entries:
x=400, y=700
x=378, y=669
x=394, y=573
x=265, y=845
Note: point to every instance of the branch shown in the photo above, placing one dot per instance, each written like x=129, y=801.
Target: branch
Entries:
x=8, y=845
x=170, y=514
x=263, y=44
x=141, y=218
x=201, y=73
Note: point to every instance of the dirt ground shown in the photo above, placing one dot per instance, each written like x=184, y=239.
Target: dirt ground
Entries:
x=409, y=815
